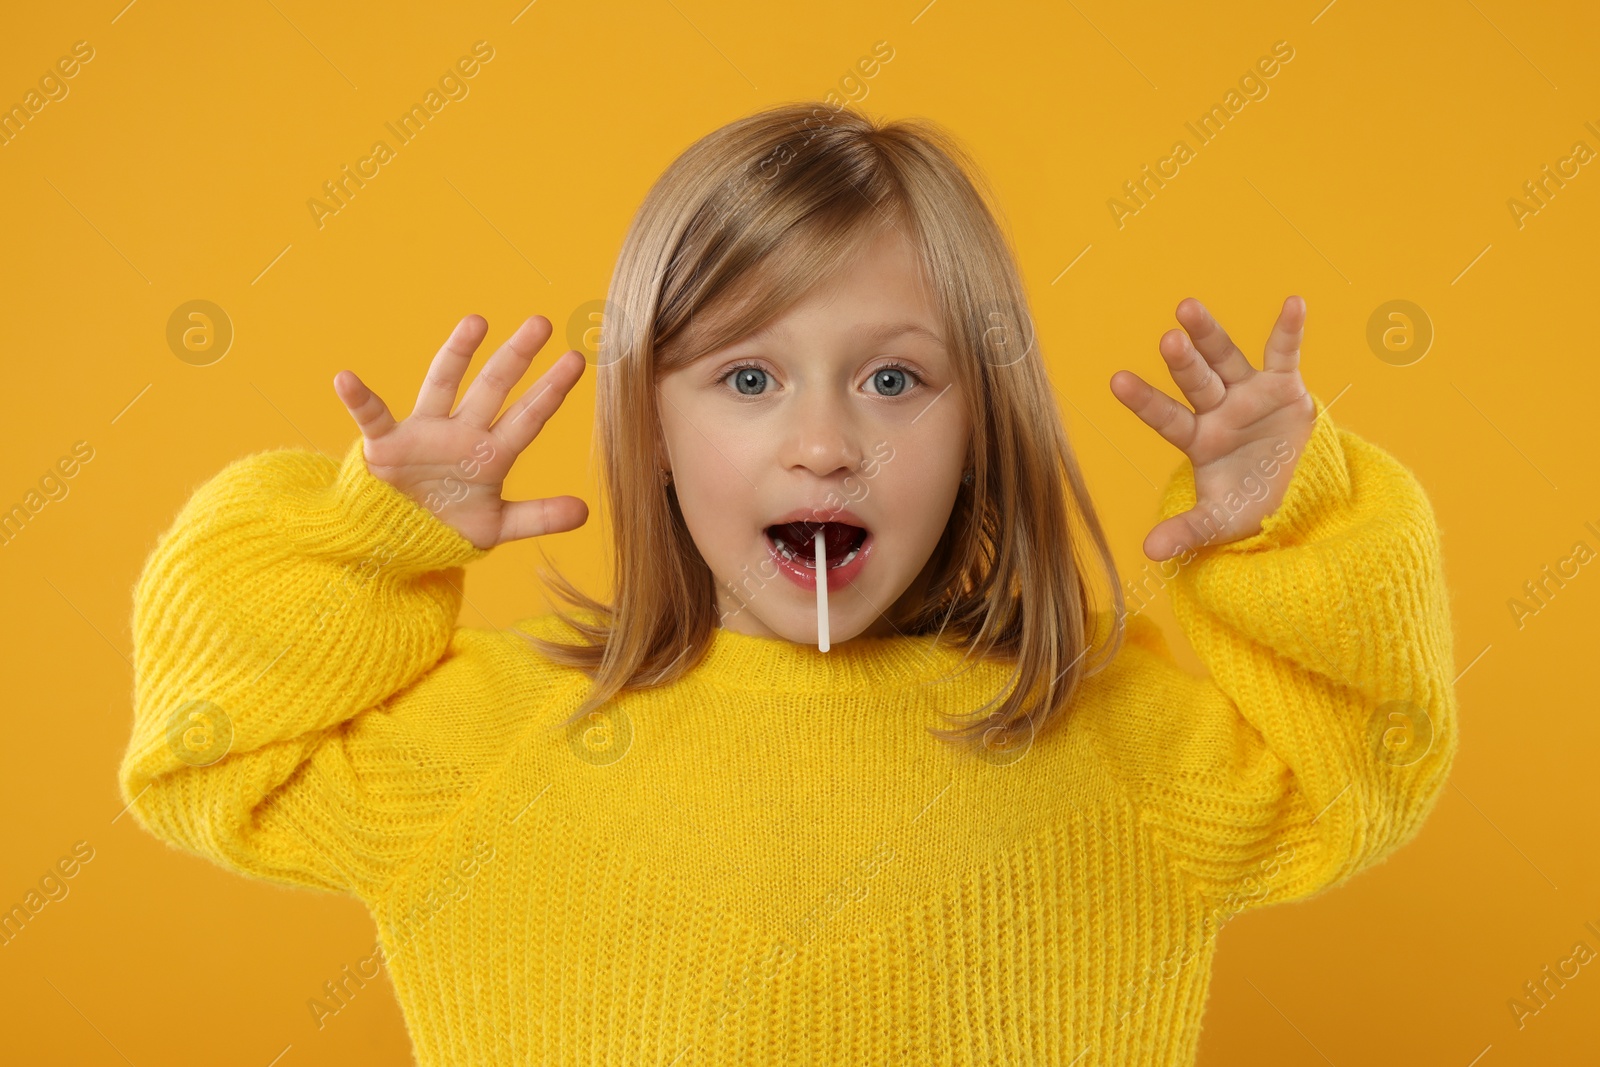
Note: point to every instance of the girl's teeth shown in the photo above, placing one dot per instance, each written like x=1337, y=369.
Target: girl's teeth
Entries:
x=788, y=553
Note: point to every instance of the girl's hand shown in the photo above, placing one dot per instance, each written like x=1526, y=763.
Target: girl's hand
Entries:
x=455, y=465
x=1241, y=418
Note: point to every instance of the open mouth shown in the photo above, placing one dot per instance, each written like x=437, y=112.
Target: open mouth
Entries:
x=797, y=541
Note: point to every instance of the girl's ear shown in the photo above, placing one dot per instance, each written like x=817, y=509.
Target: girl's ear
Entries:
x=661, y=458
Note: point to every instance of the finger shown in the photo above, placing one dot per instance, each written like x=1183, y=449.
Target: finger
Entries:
x=547, y=515
x=438, y=393
x=522, y=422
x=1201, y=385
x=1193, y=530
x=366, y=407
x=1283, y=347
x=505, y=368
x=1155, y=409
x=1213, y=342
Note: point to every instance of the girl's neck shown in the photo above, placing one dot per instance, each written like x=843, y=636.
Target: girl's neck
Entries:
x=896, y=661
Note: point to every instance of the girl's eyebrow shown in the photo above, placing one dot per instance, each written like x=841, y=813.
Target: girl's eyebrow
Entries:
x=876, y=333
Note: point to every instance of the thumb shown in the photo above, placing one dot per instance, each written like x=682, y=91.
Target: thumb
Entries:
x=1181, y=535
x=546, y=515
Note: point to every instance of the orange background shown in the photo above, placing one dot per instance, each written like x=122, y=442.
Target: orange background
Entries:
x=1379, y=167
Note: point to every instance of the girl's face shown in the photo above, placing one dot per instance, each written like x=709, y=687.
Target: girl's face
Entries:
x=842, y=415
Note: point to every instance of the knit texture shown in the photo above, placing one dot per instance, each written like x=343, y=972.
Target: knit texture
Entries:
x=770, y=861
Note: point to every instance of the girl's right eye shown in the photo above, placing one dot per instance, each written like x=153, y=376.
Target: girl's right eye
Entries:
x=749, y=380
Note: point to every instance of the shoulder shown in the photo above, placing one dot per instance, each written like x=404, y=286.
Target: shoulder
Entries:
x=552, y=627
x=1143, y=659
x=503, y=664
x=1142, y=683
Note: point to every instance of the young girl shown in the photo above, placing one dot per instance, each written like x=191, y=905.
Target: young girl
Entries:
x=994, y=822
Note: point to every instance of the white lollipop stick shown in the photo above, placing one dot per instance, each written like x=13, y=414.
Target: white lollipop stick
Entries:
x=822, y=593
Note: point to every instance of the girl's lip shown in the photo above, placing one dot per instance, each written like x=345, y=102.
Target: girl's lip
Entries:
x=838, y=577
x=820, y=513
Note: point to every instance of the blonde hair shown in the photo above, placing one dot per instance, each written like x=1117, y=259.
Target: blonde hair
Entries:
x=735, y=231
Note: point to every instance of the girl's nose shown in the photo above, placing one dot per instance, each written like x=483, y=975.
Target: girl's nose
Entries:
x=822, y=437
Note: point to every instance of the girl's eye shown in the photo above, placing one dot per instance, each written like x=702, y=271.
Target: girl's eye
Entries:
x=750, y=381
x=890, y=380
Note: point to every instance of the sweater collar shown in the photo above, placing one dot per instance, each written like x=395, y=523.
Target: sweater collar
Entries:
x=743, y=661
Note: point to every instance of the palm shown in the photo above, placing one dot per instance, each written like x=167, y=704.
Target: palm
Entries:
x=1244, y=421
x=469, y=498
x=456, y=464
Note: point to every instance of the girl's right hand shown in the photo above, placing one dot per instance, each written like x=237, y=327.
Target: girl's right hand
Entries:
x=456, y=465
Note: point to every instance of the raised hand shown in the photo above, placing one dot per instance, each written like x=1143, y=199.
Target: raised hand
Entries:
x=456, y=465
x=1242, y=418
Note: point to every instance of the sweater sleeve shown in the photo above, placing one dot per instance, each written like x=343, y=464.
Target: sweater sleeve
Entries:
x=305, y=708
x=1324, y=734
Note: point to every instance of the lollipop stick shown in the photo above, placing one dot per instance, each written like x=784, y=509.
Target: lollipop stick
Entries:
x=822, y=594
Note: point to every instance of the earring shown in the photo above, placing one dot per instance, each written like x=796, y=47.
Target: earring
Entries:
x=966, y=479
x=666, y=476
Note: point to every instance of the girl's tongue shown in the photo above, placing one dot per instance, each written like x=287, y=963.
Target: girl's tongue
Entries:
x=800, y=538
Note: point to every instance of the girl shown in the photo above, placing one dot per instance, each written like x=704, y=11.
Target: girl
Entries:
x=993, y=823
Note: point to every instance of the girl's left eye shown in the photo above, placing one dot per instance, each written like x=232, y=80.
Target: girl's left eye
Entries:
x=891, y=379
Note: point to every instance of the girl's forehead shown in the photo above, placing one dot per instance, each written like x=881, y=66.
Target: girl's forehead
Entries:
x=868, y=329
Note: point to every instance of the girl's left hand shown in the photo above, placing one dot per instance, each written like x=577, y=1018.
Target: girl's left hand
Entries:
x=1241, y=419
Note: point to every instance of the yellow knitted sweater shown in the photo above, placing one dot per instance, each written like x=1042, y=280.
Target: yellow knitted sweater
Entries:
x=771, y=861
